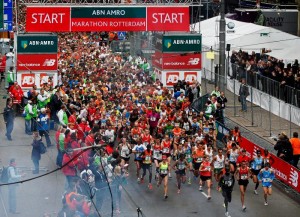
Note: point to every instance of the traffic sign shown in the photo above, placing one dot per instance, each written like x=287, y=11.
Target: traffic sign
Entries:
x=6, y=15
x=8, y=3
x=121, y=35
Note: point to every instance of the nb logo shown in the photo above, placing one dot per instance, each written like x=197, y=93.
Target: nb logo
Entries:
x=194, y=61
x=294, y=177
x=49, y=62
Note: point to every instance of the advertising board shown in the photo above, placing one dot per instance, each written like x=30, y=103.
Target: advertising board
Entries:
x=171, y=77
x=36, y=62
x=177, y=61
x=283, y=170
x=26, y=80
x=37, y=43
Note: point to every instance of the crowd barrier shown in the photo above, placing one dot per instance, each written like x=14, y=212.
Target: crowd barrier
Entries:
x=284, y=172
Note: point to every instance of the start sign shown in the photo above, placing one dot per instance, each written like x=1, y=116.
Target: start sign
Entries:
x=107, y=18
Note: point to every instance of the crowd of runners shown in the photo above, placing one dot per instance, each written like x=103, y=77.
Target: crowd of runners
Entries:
x=111, y=103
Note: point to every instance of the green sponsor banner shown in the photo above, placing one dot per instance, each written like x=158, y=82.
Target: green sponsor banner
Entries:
x=37, y=43
x=108, y=12
x=181, y=43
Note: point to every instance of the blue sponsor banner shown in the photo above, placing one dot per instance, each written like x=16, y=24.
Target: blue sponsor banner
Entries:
x=7, y=4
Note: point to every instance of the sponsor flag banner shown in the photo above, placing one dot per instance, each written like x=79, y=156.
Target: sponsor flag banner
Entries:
x=177, y=61
x=168, y=19
x=48, y=19
x=107, y=18
x=36, y=62
x=37, y=43
x=181, y=43
x=27, y=80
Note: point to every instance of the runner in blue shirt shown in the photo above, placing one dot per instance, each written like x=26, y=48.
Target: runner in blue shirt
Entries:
x=266, y=177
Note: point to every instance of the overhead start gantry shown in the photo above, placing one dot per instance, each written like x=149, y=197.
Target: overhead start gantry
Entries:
x=109, y=2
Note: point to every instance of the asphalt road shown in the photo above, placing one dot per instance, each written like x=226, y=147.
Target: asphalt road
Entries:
x=43, y=195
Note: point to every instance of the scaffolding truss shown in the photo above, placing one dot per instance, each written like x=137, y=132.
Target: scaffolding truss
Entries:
x=109, y=2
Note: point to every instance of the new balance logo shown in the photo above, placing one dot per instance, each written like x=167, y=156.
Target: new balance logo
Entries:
x=49, y=62
x=293, y=179
x=194, y=61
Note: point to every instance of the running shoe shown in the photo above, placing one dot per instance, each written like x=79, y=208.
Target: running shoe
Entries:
x=142, y=180
x=255, y=192
x=209, y=197
x=178, y=191
x=170, y=176
x=200, y=188
x=166, y=196
x=227, y=214
x=266, y=203
x=150, y=186
x=244, y=208
x=138, y=180
x=189, y=181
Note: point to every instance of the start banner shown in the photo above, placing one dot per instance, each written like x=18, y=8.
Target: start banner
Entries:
x=36, y=62
x=283, y=170
x=107, y=18
x=177, y=61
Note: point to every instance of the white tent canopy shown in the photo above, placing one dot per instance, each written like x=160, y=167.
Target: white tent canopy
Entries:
x=248, y=36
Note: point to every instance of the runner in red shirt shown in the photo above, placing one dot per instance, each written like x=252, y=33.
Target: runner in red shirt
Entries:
x=242, y=175
x=205, y=175
x=243, y=158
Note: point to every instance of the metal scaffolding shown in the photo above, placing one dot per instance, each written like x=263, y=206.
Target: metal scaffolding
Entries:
x=109, y=2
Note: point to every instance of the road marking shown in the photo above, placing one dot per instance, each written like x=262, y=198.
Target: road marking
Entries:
x=204, y=194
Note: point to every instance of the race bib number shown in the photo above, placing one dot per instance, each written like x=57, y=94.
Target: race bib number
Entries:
x=153, y=119
x=166, y=150
x=199, y=160
x=181, y=166
x=244, y=176
x=164, y=171
x=148, y=158
x=266, y=180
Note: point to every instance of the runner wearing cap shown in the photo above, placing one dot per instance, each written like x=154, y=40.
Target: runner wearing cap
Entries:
x=266, y=177
x=256, y=165
x=242, y=175
x=163, y=174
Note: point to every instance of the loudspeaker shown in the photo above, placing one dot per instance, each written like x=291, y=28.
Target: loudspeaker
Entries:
x=227, y=47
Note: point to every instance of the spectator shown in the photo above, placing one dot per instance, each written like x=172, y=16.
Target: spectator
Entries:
x=9, y=117
x=284, y=148
x=35, y=153
x=243, y=94
x=12, y=194
x=295, y=141
x=43, y=126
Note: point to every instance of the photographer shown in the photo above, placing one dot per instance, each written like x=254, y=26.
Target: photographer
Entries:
x=284, y=148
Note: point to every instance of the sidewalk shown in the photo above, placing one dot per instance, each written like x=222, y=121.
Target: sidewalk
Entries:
x=257, y=127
